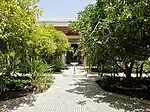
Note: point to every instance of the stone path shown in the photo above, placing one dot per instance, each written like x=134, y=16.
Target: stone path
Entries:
x=74, y=94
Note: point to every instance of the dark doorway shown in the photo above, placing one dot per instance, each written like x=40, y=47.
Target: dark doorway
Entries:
x=71, y=57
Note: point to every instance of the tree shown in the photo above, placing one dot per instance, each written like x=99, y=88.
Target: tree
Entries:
x=16, y=26
x=114, y=33
x=23, y=43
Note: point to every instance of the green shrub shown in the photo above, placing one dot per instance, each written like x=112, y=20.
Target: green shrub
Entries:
x=3, y=84
x=23, y=44
x=146, y=67
x=57, y=65
x=41, y=75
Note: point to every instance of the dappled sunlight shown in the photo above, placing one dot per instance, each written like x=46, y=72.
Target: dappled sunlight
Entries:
x=90, y=90
x=13, y=104
x=81, y=102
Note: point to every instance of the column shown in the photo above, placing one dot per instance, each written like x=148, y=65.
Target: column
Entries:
x=64, y=58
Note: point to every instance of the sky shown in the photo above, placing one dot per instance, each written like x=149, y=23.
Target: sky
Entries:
x=62, y=8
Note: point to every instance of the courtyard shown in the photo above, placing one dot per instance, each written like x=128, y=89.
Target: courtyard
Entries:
x=71, y=93
x=75, y=56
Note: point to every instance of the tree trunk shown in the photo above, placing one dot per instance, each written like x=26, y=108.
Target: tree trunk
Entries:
x=141, y=70
x=128, y=79
x=115, y=71
x=128, y=71
x=102, y=67
x=100, y=72
x=137, y=71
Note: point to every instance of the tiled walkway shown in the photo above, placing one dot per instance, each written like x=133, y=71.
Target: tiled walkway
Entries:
x=74, y=94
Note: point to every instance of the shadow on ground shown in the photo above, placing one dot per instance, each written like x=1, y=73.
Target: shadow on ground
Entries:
x=13, y=104
x=90, y=89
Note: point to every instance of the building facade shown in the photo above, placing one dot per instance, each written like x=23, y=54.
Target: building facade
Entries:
x=63, y=25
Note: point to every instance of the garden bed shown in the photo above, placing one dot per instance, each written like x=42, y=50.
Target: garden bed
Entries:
x=16, y=93
x=22, y=86
x=139, y=88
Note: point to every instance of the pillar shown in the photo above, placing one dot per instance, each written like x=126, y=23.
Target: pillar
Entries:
x=64, y=58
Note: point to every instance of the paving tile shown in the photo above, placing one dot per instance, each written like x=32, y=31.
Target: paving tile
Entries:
x=69, y=94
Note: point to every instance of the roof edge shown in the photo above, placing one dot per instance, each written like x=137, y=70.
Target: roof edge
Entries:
x=58, y=19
